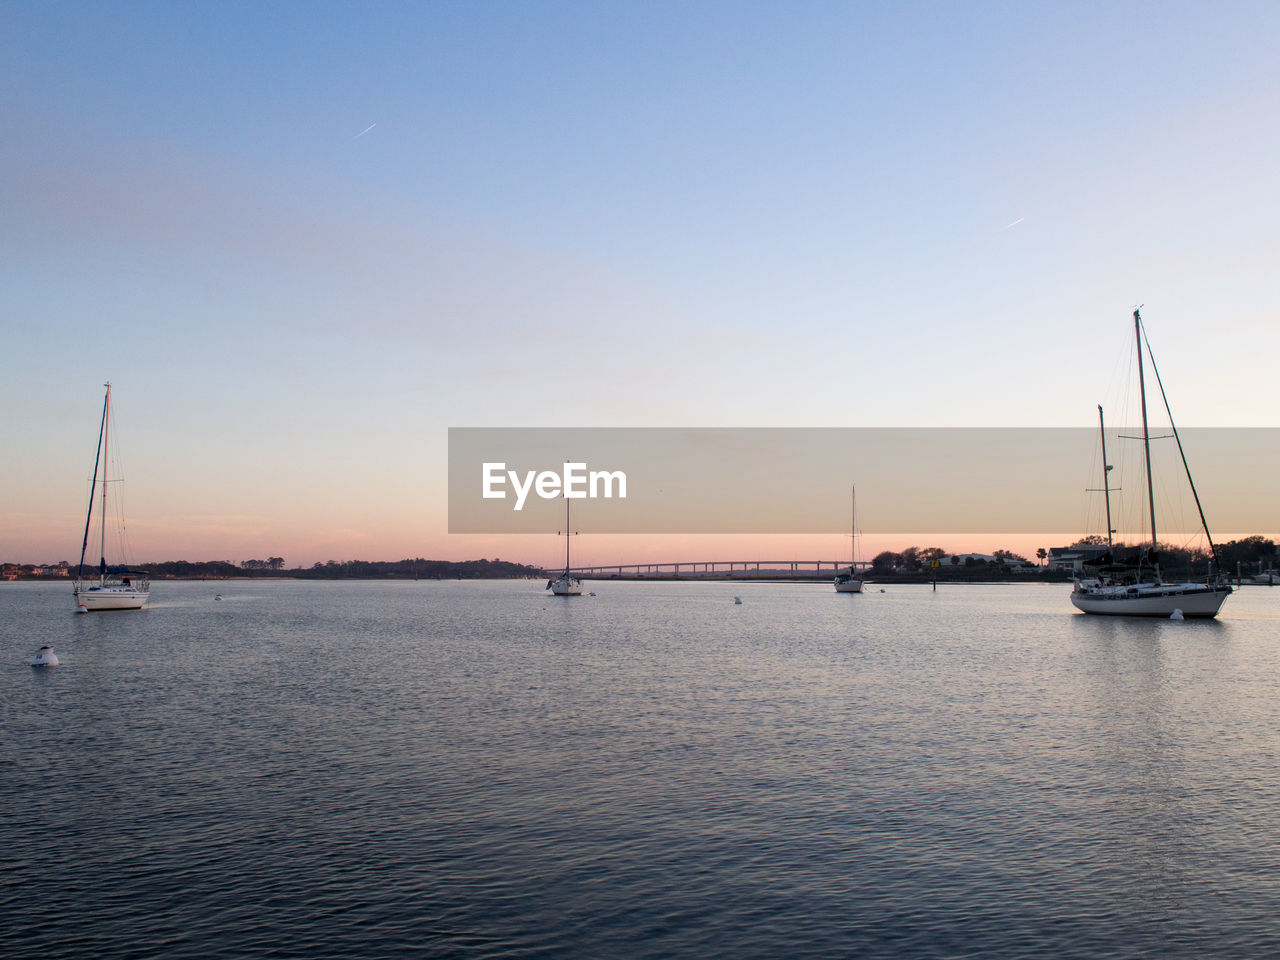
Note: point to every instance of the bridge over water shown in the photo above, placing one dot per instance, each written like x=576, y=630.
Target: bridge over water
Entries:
x=798, y=571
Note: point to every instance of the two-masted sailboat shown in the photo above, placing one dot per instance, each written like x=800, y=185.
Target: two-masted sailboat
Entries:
x=850, y=582
x=1135, y=587
x=125, y=591
x=566, y=585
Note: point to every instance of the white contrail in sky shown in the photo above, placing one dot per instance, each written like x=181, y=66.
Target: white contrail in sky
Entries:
x=364, y=131
x=1014, y=224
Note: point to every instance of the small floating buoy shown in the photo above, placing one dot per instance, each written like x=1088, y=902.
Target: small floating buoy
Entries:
x=81, y=608
x=218, y=597
x=882, y=590
x=1176, y=615
x=737, y=599
x=45, y=657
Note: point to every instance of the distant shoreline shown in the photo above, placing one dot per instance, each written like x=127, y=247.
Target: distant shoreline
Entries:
x=881, y=581
x=1045, y=577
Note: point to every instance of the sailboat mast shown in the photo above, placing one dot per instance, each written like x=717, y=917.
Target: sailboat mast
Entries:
x=566, y=535
x=1146, y=436
x=1106, y=470
x=93, y=487
x=853, y=528
x=106, y=440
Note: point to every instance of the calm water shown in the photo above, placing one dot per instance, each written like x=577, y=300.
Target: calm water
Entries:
x=481, y=769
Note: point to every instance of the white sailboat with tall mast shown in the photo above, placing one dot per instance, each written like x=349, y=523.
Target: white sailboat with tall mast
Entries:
x=125, y=591
x=566, y=585
x=1138, y=589
x=850, y=582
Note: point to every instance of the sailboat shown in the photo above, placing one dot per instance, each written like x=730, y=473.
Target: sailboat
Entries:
x=1136, y=589
x=850, y=582
x=125, y=591
x=566, y=585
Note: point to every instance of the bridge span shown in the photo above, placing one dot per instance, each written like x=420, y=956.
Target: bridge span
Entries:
x=797, y=571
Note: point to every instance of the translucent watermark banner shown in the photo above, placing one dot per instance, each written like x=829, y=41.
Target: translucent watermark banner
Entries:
x=908, y=480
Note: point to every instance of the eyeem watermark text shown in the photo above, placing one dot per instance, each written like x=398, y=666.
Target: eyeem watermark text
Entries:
x=575, y=482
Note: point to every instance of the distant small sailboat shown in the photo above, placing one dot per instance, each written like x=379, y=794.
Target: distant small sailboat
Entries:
x=45, y=657
x=566, y=585
x=1136, y=589
x=850, y=582
x=125, y=591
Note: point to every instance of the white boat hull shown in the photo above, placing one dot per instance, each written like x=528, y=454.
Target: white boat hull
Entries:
x=848, y=585
x=1148, y=600
x=95, y=598
x=566, y=587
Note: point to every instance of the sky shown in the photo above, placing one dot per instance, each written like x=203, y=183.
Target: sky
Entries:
x=303, y=240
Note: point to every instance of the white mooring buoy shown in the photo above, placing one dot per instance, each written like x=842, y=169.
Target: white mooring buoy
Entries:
x=45, y=657
x=1177, y=614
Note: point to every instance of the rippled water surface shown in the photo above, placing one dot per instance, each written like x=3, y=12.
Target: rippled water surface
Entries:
x=481, y=769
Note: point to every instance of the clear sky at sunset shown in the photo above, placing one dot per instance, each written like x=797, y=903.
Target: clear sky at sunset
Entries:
x=304, y=239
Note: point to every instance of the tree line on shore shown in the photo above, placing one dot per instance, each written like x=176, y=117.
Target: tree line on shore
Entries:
x=408, y=569
x=1248, y=554
x=917, y=559
x=416, y=568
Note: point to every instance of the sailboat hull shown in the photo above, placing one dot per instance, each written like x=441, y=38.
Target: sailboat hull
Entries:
x=848, y=585
x=566, y=587
x=1192, y=599
x=96, y=598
